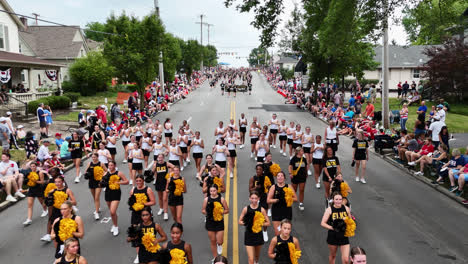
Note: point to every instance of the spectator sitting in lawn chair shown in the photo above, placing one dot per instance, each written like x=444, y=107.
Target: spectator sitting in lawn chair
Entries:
x=58, y=140
x=454, y=165
x=11, y=178
x=65, y=153
x=20, y=135
x=461, y=176
x=43, y=153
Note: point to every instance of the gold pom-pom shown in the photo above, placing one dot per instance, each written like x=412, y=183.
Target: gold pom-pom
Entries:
x=266, y=184
x=168, y=175
x=140, y=201
x=218, y=211
x=350, y=227
x=33, y=177
x=179, y=187
x=218, y=182
x=288, y=196
x=275, y=169
x=148, y=241
x=98, y=172
x=344, y=187
x=59, y=198
x=49, y=188
x=177, y=256
x=114, y=182
x=66, y=228
x=294, y=254
x=258, y=222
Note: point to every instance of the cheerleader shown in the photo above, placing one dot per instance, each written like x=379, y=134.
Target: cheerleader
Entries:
x=232, y=125
x=104, y=154
x=274, y=124
x=283, y=137
x=214, y=207
x=70, y=254
x=298, y=168
x=307, y=140
x=254, y=132
x=147, y=253
x=339, y=185
x=197, y=147
x=331, y=167
x=111, y=140
x=67, y=225
x=297, y=137
x=76, y=148
x=261, y=184
x=96, y=137
x=137, y=160
x=149, y=126
x=189, y=134
x=138, y=132
x=161, y=169
x=182, y=142
x=140, y=196
x=215, y=176
x=113, y=193
x=174, y=153
x=358, y=255
x=94, y=173
x=177, y=244
x=232, y=139
x=317, y=156
x=175, y=188
x=336, y=238
x=158, y=147
x=125, y=135
x=168, y=130
x=266, y=171
x=251, y=217
x=205, y=169
x=262, y=147
x=281, y=198
x=290, y=132
x=35, y=180
x=279, y=246
x=360, y=155
x=219, y=131
x=221, y=152
x=331, y=136
x=242, y=129
x=146, y=147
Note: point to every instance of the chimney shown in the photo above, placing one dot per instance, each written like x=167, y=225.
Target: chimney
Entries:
x=24, y=21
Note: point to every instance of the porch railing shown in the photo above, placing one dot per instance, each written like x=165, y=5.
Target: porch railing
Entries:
x=16, y=105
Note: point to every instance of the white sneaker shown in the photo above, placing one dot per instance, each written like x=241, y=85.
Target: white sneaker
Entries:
x=290, y=157
x=46, y=238
x=188, y=160
x=219, y=249
x=317, y=185
x=241, y=146
x=301, y=206
x=284, y=154
x=269, y=212
x=96, y=216
x=136, y=261
x=231, y=175
x=115, y=232
x=251, y=155
x=182, y=168
x=185, y=164
x=124, y=161
x=281, y=151
x=131, y=182
x=77, y=179
x=363, y=181
x=265, y=236
x=274, y=146
x=160, y=211
x=20, y=194
x=309, y=172
x=27, y=222
x=45, y=213
x=412, y=163
x=166, y=217
x=154, y=182
x=112, y=228
x=357, y=179
x=418, y=173
x=11, y=198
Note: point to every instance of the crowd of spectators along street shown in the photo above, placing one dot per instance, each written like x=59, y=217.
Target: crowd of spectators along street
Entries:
x=427, y=145
x=39, y=151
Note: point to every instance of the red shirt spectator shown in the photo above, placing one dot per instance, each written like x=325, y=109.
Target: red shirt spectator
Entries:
x=426, y=149
x=147, y=95
x=369, y=110
x=101, y=114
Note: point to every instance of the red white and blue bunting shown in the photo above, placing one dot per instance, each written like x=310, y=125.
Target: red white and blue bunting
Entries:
x=5, y=76
x=51, y=74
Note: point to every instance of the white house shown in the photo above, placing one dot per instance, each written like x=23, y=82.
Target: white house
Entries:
x=286, y=63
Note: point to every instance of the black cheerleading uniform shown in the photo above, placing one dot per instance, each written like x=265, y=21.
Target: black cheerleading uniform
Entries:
x=301, y=175
x=361, y=147
x=112, y=195
x=144, y=256
x=283, y=258
x=97, y=139
x=161, y=172
x=331, y=163
x=251, y=238
x=76, y=147
x=56, y=211
x=56, y=227
x=266, y=171
x=170, y=246
x=174, y=200
x=37, y=190
x=337, y=238
x=92, y=183
x=280, y=210
x=136, y=215
x=64, y=261
x=259, y=183
x=211, y=224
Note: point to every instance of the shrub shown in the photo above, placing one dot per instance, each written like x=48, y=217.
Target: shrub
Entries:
x=73, y=96
x=55, y=102
x=68, y=86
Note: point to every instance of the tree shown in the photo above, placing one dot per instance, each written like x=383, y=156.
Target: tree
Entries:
x=290, y=41
x=95, y=26
x=172, y=54
x=191, y=56
x=432, y=21
x=210, y=56
x=257, y=57
x=90, y=74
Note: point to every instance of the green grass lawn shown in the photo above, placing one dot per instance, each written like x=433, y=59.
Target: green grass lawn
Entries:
x=456, y=119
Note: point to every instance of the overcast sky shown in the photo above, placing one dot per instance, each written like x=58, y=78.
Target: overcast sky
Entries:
x=231, y=32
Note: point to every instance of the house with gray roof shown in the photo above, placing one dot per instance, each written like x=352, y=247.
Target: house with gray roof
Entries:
x=286, y=62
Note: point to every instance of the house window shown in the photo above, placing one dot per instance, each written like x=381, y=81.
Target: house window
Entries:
x=23, y=77
x=20, y=51
x=415, y=74
x=4, y=39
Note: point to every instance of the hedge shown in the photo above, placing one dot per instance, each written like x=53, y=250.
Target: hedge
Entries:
x=73, y=96
x=55, y=102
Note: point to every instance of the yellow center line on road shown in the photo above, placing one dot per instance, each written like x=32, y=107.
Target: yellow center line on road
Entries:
x=226, y=197
x=235, y=226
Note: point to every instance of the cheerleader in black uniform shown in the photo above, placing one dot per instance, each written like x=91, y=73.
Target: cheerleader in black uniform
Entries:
x=161, y=169
x=175, y=188
x=70, y=254
x=253, y=238
x=114, y=179
x=336, y=238
x=67, y=212
x=279, y=249
x=214, y=207
x=298, y=168
x=279, y=206
x=267, y=162
x=147, y=226
x=331, y=167
x=216, y=176
x=94, y=176
x=177, y=243
x=205, y=169
x=76, y=148
x=96, y=138
x=35, y=191
x=259, y=184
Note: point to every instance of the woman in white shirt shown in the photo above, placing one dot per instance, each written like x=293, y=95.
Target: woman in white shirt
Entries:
x=219, y=131
x=197, y=146
x=189, y=133
x=290, y=134
x=232, y=139
x=146, y=144
x=242, y=129
x=283, y=137
x=174, y=153
x=111, y=140
x=307, y=141
x=253, y=134
x=262, y=148
x=220, y=152
x=274, y=126
x=125, y=136
x=182, y=141
x=159, y=148
x=331, y=137
x=297, y=137
x=104, y=154
x=317, y=157
x=137, y=160
x=168, y=131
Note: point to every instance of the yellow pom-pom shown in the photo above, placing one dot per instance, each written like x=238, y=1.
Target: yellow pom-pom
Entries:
x=179, y=187
x=98, y=172
x=148, y=241
x=177, y=256
x=344, y=187
x=294, y=254
x=218, y=182
x=114, y=182
x=140, y=201
x=33, y=177
x=350, y=227
x=288, y=196
x=275, y=169
x=218, y=211
x=49, y=188
x=168, y=175
x=258, y=221
x=66, y=228
x=59, y=198
x=266, y=184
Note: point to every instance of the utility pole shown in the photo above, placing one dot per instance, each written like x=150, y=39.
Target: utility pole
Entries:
x=208, y=25
x=385, y=71
x=36, y=15
x=201, y=39
x=161, y=65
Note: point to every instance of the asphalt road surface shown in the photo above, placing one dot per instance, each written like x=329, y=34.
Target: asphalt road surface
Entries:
x=399, y=219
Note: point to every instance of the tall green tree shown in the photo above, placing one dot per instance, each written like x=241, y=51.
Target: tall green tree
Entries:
x=172, y=54
x=432, y=21
x=257, y=57
x=291, y=34
x=92, y=27
x=191, y=56
x=210, y=56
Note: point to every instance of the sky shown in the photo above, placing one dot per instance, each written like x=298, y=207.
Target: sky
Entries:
x=231, y=31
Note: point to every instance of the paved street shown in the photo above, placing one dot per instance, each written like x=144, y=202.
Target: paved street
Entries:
x=399, y=219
